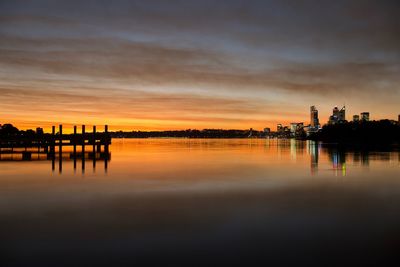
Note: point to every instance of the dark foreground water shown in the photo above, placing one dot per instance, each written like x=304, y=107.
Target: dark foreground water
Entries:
x=203, y=202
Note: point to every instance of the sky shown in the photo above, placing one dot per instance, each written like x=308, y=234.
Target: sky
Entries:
x=156, y=65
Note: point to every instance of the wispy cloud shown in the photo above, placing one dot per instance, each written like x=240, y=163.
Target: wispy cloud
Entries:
x=188, y=64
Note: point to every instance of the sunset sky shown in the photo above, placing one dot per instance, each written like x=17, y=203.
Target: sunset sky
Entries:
x=154, y=65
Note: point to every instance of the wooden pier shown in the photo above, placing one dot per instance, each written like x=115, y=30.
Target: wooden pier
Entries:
x=49, y=142
x=93, y=146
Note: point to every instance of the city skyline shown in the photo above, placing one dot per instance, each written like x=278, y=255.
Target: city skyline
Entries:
x=155, y=65
x=314, y=121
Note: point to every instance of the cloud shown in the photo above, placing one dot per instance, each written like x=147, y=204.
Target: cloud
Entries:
x=233, y=62
x=133, y=108
x=147, y=63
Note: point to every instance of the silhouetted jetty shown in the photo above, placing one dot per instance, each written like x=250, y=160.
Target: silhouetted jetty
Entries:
x=48, y=142
x=93, y=146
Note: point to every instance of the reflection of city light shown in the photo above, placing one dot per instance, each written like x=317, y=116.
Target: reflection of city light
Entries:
x=313, y=151
x=293, y=149
x=339, y=163
x=344, y=169
x=335, y=160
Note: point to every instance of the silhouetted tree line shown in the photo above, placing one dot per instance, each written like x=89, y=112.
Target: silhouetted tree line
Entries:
x=9, y=131
x=366, y=132
x=206, y=133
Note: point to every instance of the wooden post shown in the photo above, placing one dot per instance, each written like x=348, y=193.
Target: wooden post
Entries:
x=74, y=134
x=53, y=137
x=38, y=143
x=83, y=148
x=60, y=149
x=83, y=137
x=51, y=147
x=94, y=139
x=94, y=147
x=60, y=137
x=74, y=142
x=74, y=154
x=106, y=138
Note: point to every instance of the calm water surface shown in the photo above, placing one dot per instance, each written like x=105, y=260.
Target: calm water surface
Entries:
x=206, y=202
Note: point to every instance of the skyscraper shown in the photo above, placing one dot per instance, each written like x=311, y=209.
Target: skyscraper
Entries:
x=338, y=116
x=335, y=112
x=342, y=114
x=314, y=121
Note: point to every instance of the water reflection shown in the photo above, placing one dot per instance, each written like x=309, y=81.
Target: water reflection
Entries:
x=166, y=201
x=338, y=159
x=57, y=158
x=339, y=156
x=313, y=150
x=319, y=154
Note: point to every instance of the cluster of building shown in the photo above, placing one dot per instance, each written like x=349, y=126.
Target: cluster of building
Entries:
x=297, y=129
x=364, y=116
x=339, y=116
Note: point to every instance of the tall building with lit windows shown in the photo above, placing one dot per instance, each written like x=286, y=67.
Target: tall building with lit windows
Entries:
x=342, y=114
x=314, y=121
x=338, y=116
